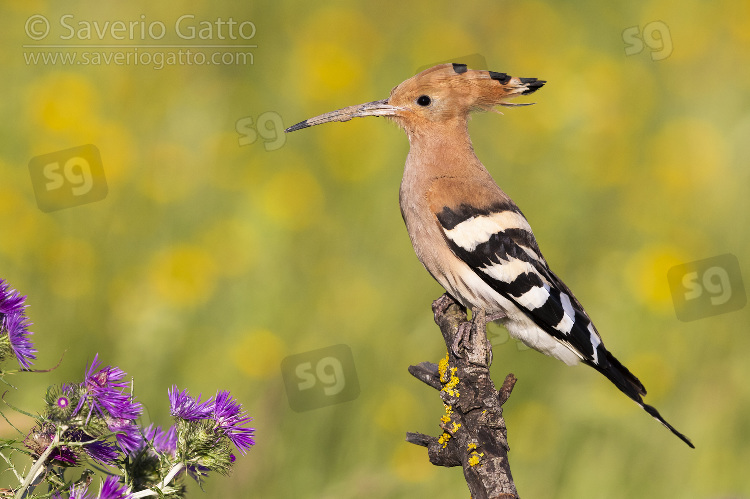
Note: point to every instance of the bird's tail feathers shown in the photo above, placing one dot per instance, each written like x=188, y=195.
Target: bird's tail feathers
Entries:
x=655, y=414
x=633, y=388
x=626, y=381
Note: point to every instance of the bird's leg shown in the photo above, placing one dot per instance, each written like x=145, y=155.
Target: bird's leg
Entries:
x=479, y=344
x=463, y=332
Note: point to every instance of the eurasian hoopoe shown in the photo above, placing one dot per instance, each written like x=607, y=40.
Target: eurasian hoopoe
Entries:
x=468, y=233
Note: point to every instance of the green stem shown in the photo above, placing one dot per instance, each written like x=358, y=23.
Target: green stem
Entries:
x=11, y=466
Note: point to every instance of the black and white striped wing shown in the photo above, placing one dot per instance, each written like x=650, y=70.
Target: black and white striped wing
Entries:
x=499, y=246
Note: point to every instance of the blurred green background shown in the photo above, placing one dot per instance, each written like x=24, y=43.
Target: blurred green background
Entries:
x=222, y=248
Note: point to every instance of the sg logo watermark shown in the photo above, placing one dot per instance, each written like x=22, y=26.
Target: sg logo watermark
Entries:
x=320, y=378
x=68, y=178
x=707, y=287
x=655, y=35
x=249, y=129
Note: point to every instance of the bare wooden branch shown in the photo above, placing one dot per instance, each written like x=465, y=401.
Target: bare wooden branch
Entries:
x=427, y=372
x=474, y=434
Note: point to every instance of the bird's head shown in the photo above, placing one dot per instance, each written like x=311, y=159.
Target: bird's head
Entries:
x=441, y=94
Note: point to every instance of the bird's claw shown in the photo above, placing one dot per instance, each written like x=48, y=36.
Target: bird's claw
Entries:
x=493, y=316
x=479, y=321
x=463, y=333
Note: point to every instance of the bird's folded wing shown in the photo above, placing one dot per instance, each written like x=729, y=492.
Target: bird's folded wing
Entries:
x=497, y=244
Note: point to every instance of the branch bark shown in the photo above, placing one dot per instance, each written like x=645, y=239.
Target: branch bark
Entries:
x=474, y=433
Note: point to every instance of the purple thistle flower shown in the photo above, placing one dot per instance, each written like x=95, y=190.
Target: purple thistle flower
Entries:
x=98, y=450
x=231, y=419
x=62, y=402
x=76, y=492
x=80, y=492
x=105, y=391
x=16, y=324
x=13, y=320
x=64, y=455
x=111, y=489
x=183, y=406
x=128, y=436
x=11, y=300
x=162, y=441
x=101, y=452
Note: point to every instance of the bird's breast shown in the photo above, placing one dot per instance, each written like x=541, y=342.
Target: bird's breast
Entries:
x=431, y=248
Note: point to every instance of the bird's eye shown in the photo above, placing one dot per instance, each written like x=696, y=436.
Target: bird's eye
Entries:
x=424, y=100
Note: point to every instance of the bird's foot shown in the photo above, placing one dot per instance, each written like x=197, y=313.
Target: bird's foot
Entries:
x=440, y=306
x=473, y=333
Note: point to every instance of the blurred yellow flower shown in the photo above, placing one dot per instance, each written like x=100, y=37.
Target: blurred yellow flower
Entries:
x=329, y=69
x=656, y=371
x=118, y=149
x=259, y=353
x=293, y=198
x=737, y=17
x=62, y=101
x=691, y=27
x=333, y=69
x=183, y=275
x=234, y=243
x=646, y=276
x=687, y=153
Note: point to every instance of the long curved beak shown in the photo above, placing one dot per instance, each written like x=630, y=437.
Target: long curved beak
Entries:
x=376, y=108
